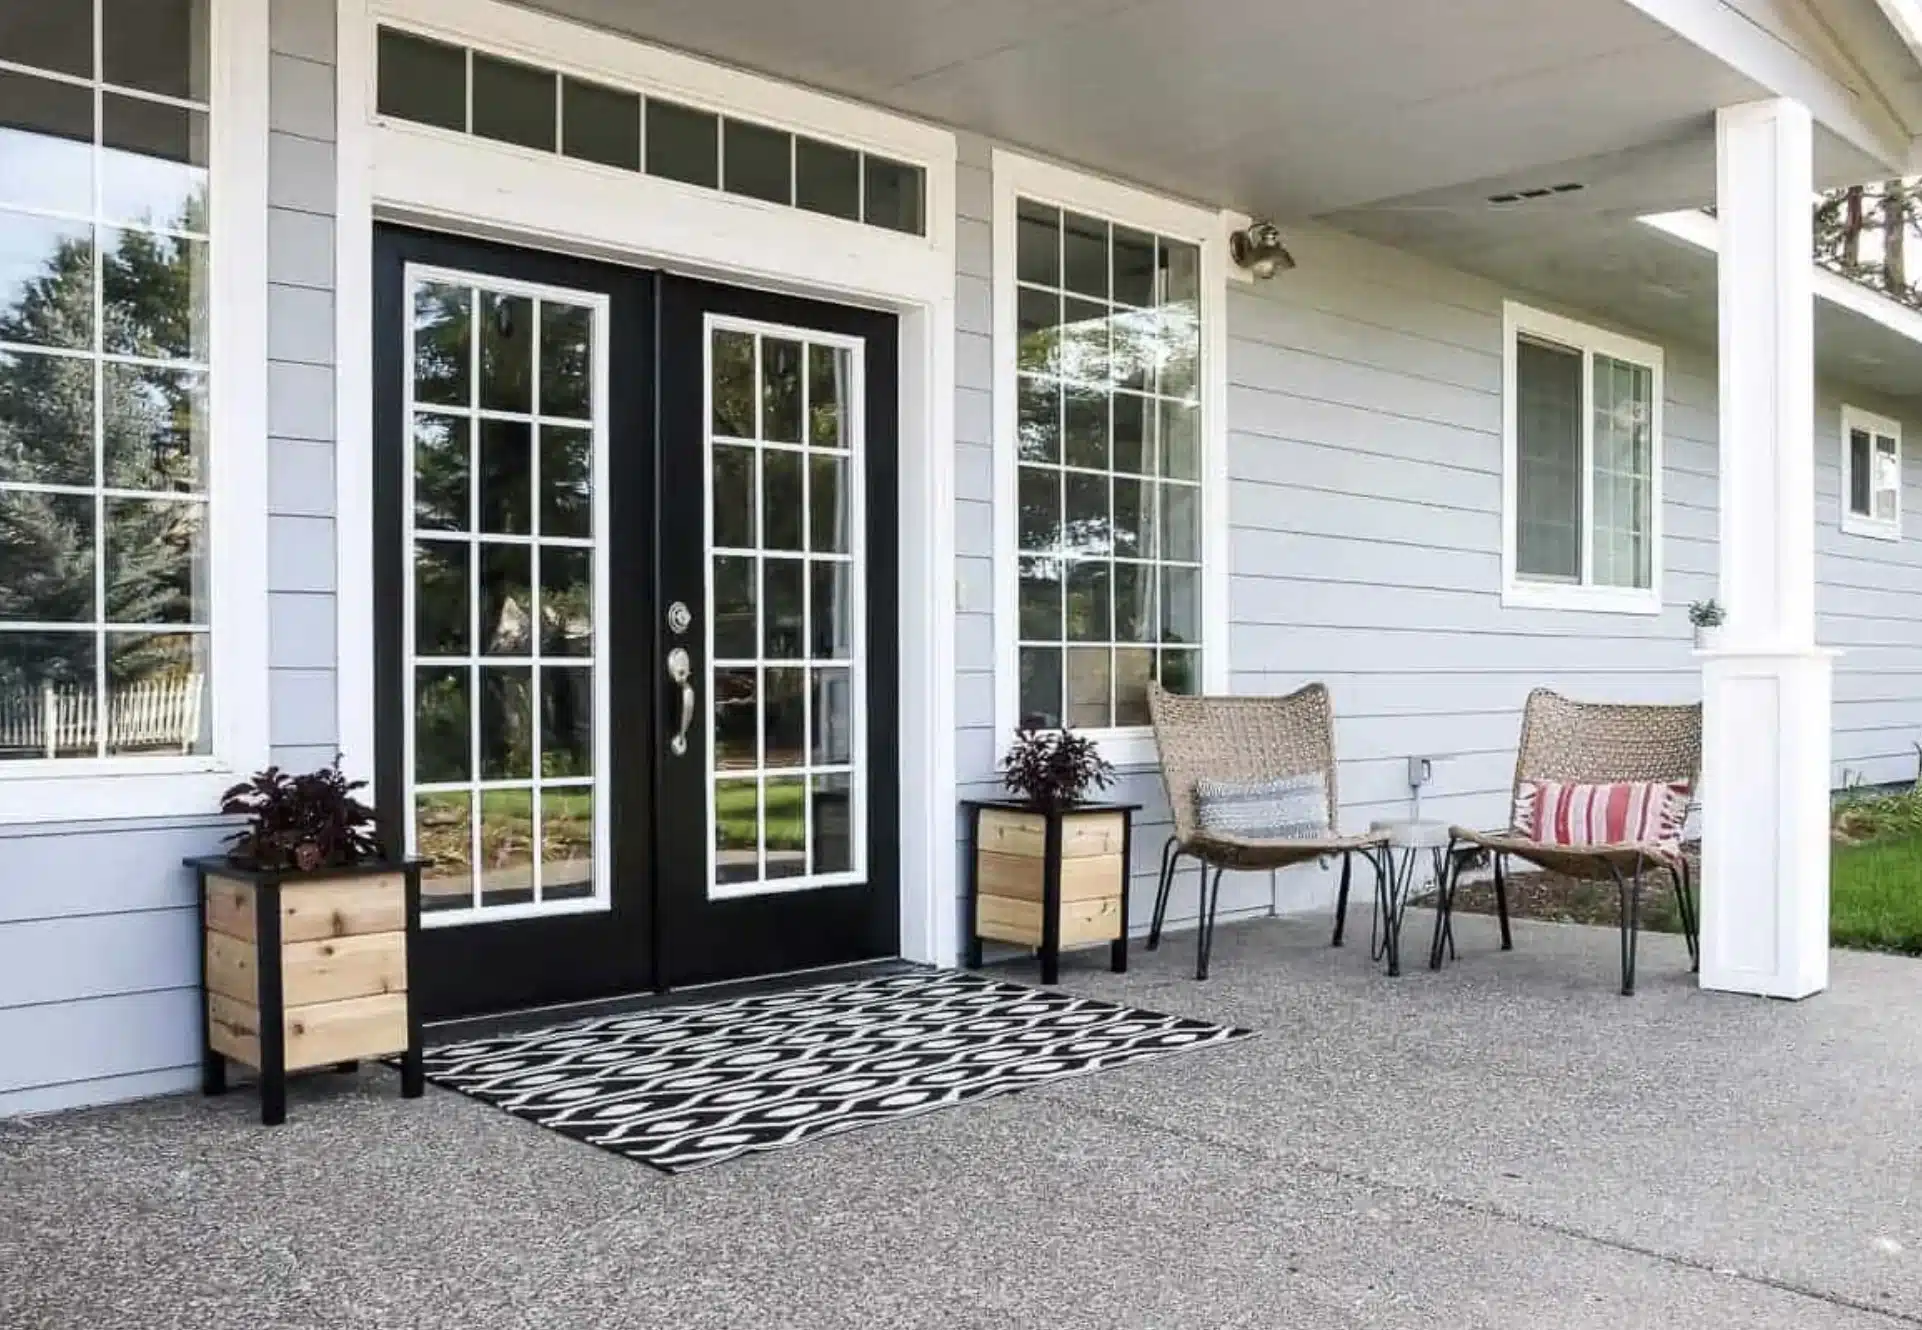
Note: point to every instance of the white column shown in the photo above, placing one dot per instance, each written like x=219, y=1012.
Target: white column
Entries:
x=1765, y=777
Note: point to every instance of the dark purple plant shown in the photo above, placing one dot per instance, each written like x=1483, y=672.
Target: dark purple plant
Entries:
x=1055, y=768
x=300, y=823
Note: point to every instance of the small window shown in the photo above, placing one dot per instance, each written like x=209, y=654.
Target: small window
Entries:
x=1871, y=475
x=1583, y=463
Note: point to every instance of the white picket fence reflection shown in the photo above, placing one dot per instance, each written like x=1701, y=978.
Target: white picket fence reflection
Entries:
x=149, y=716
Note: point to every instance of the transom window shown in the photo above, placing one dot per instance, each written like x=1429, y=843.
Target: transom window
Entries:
x=1109, y=477
x=472, y=92
x=1583, y=466
x=1871, y=475
x=104, y=376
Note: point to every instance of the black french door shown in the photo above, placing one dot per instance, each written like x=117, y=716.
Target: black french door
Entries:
x=777, y=813
x=582, y=470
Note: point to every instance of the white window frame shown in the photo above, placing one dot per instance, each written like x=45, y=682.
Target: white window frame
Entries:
x=1867, y=524
x=84, y=789
x=1018, y=177
x=1520, y=320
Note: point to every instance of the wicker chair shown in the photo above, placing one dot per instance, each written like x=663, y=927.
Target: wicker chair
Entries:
x=1246, y=738
x=1592, y=742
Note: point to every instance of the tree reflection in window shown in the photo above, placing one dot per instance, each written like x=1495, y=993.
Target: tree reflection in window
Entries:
x=103, y=510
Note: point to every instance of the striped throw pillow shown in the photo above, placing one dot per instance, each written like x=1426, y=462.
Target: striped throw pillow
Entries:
x=1557, y=812
x=1284, y=808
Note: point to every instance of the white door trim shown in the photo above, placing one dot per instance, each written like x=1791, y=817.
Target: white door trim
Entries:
x=468, y=185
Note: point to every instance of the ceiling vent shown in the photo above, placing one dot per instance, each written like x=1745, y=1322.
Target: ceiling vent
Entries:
x=1513, y=197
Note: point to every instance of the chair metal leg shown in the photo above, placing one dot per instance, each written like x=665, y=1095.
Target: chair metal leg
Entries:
x=1392, y=889
x=1630, y=892
x=1206, y=931
x=1444, y=900
x=1170, y=856
x=1501, y=900
x=1341, y=899
x=1691, y=926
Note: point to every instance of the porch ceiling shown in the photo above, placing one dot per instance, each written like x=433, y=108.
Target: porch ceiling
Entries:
x=1589, y=253
x=1282, y=107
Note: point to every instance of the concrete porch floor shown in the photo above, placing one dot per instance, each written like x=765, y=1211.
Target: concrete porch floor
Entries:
x=1506, y=1143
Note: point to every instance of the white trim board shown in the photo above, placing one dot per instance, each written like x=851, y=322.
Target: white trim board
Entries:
x=85, y=789
x=1014, y=177
x=453, y=182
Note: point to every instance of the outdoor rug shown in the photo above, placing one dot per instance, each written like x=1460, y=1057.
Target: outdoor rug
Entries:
x=682, y=1087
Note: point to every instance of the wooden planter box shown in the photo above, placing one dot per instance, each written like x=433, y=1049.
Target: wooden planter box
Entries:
x=1049, y=879
x=303, y=970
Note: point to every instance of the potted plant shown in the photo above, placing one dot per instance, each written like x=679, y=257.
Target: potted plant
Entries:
x=1707, y=617
x=308, y=937
x=1049, y=868
x=1054, y=768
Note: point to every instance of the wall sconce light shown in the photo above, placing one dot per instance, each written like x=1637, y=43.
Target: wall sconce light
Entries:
x=1258, y=248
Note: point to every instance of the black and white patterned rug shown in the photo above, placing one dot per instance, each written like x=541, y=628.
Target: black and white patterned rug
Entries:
x=687, y=1086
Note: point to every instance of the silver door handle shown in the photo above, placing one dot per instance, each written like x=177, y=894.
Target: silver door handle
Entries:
x=681, y=671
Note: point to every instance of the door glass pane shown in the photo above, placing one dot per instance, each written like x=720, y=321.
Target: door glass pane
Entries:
x=507, y=847
x=786, y=838
x=507, y=352
x=784, y=596
x=505, y=629
x=443, y=341
x=737, y=831
x=828, y=390
x=444, y=834
x=567, y=720
x=506, y=723
x=442, y=732
x=782, y=613
x=567, y=842
x=831, y=824
x=567, y=364
x=506, y=476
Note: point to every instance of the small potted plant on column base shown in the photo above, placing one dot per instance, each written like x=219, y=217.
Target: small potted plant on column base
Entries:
x=1707, y=617
x=1046, y=867
x=307, y=938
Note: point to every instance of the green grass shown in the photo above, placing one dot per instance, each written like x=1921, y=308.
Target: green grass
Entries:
x=1875, y=895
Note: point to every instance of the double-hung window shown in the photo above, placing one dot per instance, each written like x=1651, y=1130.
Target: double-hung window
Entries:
x=1107, y=409
x=1582, y=473
x=111, y=222
x=1871, y=475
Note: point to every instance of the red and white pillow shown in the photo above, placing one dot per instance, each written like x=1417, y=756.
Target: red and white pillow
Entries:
x=1555, y=812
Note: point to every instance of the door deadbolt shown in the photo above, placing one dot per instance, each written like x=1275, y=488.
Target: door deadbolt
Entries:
x=678, y=617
